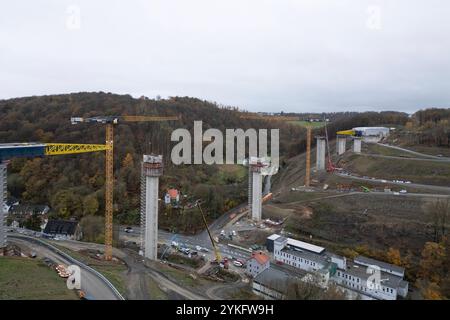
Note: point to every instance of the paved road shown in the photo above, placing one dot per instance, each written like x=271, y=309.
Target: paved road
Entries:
x=201, y=239
x=411, y=185
x=439, y=160
x=414, y=152
x=137, y=287
x=91, y=284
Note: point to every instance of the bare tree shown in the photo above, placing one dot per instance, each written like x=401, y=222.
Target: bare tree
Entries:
x=438, y=213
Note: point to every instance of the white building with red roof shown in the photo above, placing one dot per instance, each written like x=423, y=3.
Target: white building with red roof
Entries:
x=258, y=262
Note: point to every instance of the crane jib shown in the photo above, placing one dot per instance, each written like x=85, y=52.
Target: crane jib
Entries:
x=31, y=150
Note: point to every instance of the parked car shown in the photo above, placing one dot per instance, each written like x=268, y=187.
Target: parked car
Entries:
x=129, y=230
x=237, y=263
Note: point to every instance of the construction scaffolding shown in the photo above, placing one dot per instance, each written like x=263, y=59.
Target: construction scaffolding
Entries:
x=152, y=169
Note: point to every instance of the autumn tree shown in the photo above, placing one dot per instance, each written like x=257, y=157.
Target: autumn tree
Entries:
x=393, y=256
x=431, y=263
x=438, y=213
x=90, y=205
x=92, y=228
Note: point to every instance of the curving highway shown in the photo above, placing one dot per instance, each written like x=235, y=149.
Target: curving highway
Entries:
x=92, y=283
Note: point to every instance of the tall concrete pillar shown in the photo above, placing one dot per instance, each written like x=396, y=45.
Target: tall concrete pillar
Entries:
x=3, y=212
x=250, y=183
x=267, y=184
x=152, y=169
x=357, y=145
x=256, y=166
x=320, y=153
x=340, y=144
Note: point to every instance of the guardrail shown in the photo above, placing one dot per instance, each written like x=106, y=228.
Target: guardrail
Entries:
x=73, y=260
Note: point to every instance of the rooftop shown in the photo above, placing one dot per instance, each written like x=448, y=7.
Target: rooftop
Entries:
x=260, y=257
x=305, y=245
x=173, y=193
x=383, y=265
x=273, y=237
x=273, y=278
x=387, y=279
x=307, y=255
x=28, y=208
x=280, y=239
x=61, y=227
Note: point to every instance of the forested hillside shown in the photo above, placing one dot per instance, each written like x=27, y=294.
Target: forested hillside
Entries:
x=73, y=185
x=430, y=127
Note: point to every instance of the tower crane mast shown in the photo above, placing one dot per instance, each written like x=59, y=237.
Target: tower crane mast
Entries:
x=110, y=121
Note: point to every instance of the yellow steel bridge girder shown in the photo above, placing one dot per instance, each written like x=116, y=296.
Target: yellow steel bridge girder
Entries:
x=346, y=132
x=53, y=149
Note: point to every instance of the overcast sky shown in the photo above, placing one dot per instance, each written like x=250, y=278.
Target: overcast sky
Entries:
x=261, y=55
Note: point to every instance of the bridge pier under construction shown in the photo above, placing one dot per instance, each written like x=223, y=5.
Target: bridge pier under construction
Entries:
x=320, y=153
x=152, y=169
x=340, y=144
x=357, y=144
x=256, y=165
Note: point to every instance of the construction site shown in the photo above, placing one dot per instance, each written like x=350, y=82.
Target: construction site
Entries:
x=238, y=152
x=294, y=200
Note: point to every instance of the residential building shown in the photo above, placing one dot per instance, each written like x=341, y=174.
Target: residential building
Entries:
x=257, y=263
x=172, y=196
x=271, y=284
x=27, y=210
x=64, y=229
x=11, y=202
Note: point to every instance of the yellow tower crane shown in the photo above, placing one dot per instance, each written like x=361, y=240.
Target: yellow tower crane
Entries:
x=308, y=157
x=252, y=116
x=110, y=121
x=213, y=243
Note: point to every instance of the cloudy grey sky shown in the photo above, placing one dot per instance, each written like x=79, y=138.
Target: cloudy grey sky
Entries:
x=261, y=55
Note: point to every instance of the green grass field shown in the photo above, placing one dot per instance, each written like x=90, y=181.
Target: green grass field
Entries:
x=155, y=292
x=305, y=124
x=426, y=172
x=26, y=279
